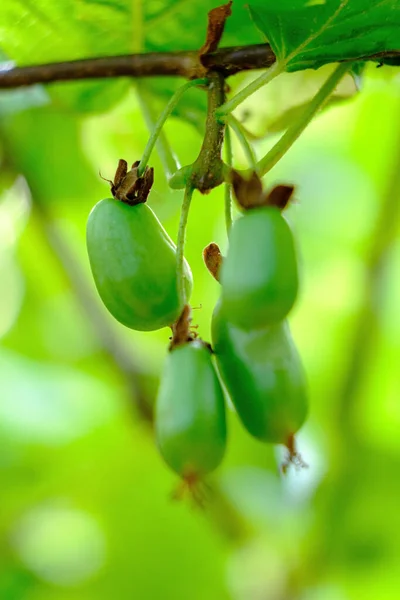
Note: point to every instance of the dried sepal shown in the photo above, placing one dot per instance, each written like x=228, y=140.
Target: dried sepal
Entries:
x=128, y=187
x=181, y=329
x=280, y=196
x=249, y=193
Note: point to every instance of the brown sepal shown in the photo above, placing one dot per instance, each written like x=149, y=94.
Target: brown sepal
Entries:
x=213, y=259
x=248, y=192
x=293, y=457
x=128, y=187
x=181, y=329
x=194, y=488
x=280, y=196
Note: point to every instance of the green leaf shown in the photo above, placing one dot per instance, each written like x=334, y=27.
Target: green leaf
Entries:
x=35, y=32
x=308, y=34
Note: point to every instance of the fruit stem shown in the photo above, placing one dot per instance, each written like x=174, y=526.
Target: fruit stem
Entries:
x=287, y=140
x=243, y=141
x=228, y=185
x=161, y=120
x=168, y=159
x=255, y=85
x=180, y=245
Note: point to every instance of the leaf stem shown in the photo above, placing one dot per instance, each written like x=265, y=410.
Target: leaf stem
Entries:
x=161, y=120
x=228, y=185
x=255, y=85
x=244, y=142
x=180, y=245
x=287, y=140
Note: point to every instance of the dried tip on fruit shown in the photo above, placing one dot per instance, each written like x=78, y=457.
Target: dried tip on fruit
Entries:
x=128, y=187
x=213, y=259
x=182, y=330
x=280, y=196
x=293, y=457
x=248, y=192
x=193, y=487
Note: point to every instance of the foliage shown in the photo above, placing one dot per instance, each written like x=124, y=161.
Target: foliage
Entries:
x=327, y=30
x=86, y=501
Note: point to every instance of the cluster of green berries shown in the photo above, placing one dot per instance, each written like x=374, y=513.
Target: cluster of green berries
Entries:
x=133, y=261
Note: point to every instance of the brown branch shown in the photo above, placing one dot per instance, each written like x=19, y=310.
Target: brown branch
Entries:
x=157, y=64
x=185, y=64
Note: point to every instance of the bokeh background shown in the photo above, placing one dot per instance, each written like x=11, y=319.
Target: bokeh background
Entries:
x=86, y=510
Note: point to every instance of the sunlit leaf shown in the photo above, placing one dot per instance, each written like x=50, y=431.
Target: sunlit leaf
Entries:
x=309, y=34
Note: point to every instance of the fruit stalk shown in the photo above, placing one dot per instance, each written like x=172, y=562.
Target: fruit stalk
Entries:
x=180, y=245
x=228, y=185
x=161, y=121
x=166, y=154
x=248, y=151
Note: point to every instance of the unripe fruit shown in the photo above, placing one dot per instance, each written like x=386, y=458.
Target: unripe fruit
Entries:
x=133, y=261
x=259, y=275
x=264, y=377
x=190, y=412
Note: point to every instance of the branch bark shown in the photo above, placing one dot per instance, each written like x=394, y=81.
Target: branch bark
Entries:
x=189, y=65
x=184, y=64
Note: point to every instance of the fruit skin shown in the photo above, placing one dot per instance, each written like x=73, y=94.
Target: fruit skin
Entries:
x=133, y=261
x=259, y=274
x=190, y=418
x=263, y=374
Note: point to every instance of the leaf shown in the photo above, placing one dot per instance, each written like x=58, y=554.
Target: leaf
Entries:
x=40, y=31
x=306, y=34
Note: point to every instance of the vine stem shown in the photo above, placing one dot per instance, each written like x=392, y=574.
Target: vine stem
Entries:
x=269, y=75
x=208, y=169
x=287, y=140
x=159, y=124
x=228, y=185
x=180, y=245
x=237, y=127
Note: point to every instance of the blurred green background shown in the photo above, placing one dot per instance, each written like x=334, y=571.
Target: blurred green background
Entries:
x=86, y=510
